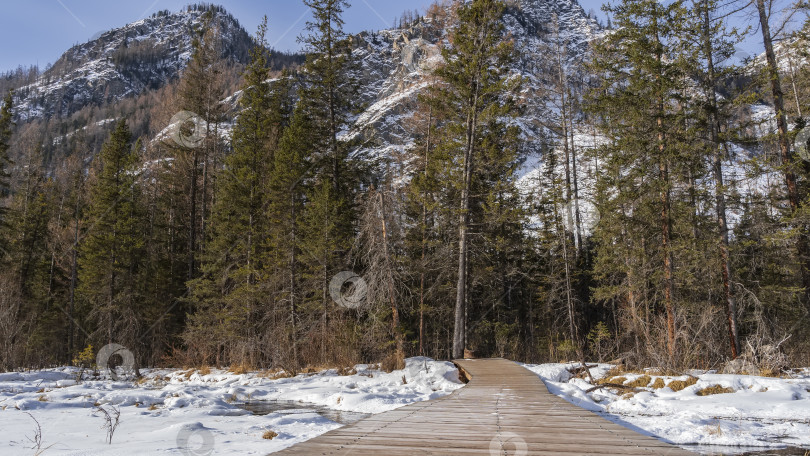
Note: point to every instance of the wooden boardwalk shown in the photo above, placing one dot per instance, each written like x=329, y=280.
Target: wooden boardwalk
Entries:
x=504, y=410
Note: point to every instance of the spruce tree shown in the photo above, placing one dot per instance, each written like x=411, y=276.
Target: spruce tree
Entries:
x=195, y=161
x=713, y=45
x=228, y=295
x=643, y=76
x=477, y=87
x=328, y=98
x=111, y=255
x=287, y=194
x=6, y=122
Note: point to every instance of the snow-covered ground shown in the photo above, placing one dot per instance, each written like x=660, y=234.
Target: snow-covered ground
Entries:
x=190, y=412
x=184, y=412
x=751, y=412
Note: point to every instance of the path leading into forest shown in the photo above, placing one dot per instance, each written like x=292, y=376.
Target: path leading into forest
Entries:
x=504, y=410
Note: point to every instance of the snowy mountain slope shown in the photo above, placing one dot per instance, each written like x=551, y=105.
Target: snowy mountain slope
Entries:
x=393, y=66
x=125, y=61
x=396, y=63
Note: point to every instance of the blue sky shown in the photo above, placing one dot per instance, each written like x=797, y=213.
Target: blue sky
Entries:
x=39, y=31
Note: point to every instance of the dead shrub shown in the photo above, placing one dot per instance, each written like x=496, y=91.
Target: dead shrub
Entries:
x=678, y=385
x=640, y=382
x=269, y=435
x=716, y=389
x=392, y=362
x=241, y=369
x=658, y=383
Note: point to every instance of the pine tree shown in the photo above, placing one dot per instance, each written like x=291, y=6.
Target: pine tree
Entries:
x=111, y=257
x=228, y=295
x=6, y=122
x=790, y=166
x=287, y=190
x=642, y=70
x=716, y=42
x=330, y=87
x=328, y=97
x=477, y=87
x=195, y=161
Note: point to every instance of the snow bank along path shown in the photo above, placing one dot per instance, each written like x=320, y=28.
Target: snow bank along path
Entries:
x=750, y=411
x=187, y=413
x=505, y=409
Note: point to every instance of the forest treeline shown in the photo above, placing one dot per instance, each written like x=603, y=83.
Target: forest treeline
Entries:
x=665, y=223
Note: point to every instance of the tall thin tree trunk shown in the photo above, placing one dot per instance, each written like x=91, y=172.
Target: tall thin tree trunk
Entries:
x=192, y=223
x=666, y=220
x=802, y=247
x=460, y=329
x=424, y=243
x=719, y=189
x=390, y=278
x=293, y=284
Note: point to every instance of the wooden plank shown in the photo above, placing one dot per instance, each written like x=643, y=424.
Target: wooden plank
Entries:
x=504, y=410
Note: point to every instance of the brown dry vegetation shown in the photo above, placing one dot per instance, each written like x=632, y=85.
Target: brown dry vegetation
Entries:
x=716, y=389
x=678, y=385
x=640, y=382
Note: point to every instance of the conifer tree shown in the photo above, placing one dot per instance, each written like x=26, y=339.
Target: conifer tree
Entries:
x=287, y=191
x=477, y=87
x=791, y=168
x=330, y=86
x=713, y=42
x=6, y=122
x=195, y=161
x=328, y=96
x=111, y=256
x=642, y=70
x=227, y=296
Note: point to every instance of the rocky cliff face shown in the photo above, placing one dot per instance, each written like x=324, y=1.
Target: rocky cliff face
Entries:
x=395, y=64
x=124, y=62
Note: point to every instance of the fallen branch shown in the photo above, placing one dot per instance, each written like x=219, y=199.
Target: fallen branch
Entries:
x=579, y=369
x=611, y=385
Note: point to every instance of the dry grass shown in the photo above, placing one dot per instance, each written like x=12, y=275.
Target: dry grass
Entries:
x=392, y=362
x=714, y=430
x=616, y=380
x=275, y=374
x=205, y=370
x=269, y=435
x=678, y=385
x=344, y=371
x=658, y=383
x=241, y=369
x=716, y=389
x=43, y=398
x=153, y=407
x=640, y=382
